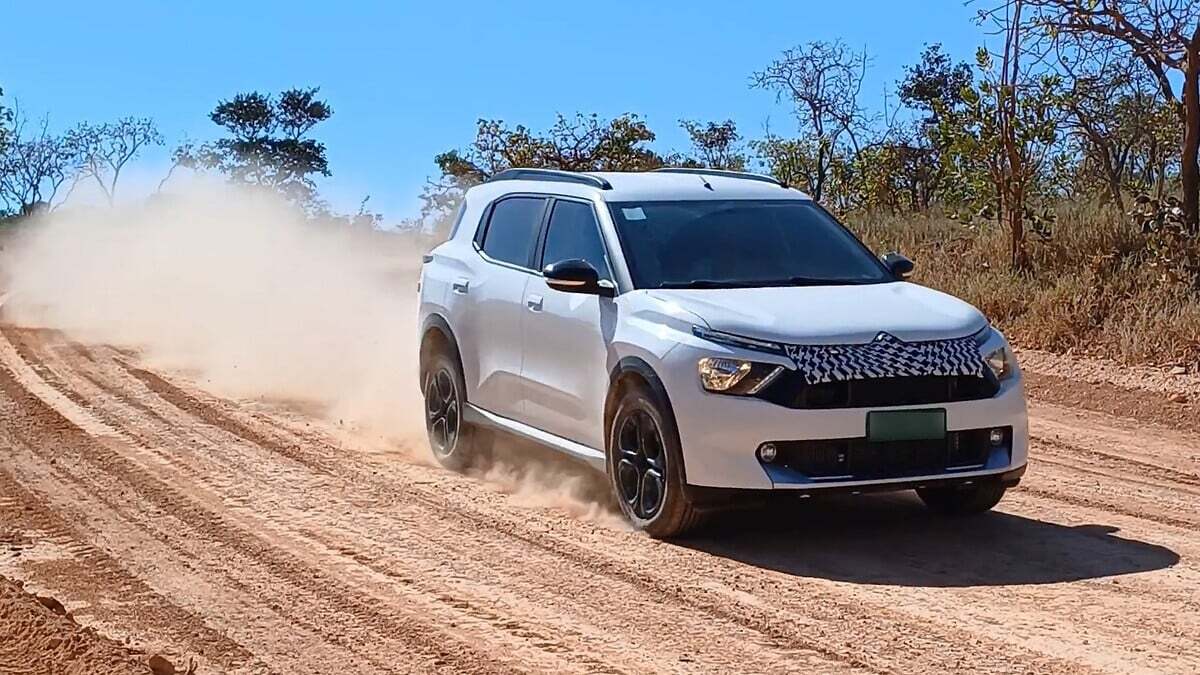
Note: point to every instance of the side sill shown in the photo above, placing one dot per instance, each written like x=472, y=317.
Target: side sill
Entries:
x=592, y=457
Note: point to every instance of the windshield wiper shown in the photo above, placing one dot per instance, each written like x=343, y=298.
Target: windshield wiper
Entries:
x=804, y=281
x=753, y=283
x=703, y=283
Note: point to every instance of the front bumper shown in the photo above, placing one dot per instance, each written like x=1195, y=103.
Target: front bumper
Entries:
x=720, y=435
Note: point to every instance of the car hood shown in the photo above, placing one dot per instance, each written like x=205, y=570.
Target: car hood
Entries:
x=830, y=314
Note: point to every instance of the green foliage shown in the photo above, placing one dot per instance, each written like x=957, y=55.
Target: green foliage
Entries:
x=715, y=145
x=267, y=143
x=579, y=143
x=935, y=83
x=973, y=137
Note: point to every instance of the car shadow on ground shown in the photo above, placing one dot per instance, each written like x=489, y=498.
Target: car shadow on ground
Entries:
x=893, y=540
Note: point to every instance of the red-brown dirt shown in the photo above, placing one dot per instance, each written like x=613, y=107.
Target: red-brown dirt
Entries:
x=256, y=539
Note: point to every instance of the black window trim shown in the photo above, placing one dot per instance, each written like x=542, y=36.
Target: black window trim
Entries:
x=540, y=251
x=485, y=222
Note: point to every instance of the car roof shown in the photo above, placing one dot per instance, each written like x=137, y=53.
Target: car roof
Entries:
x=644, y=186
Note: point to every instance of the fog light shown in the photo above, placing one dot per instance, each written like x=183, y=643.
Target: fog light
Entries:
x=996, y=436
x=768, y=452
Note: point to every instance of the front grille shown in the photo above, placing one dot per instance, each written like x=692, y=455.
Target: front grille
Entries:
x=790, y=390
x=860, y=459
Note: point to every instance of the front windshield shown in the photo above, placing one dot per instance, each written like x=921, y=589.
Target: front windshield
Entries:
x=740, y=243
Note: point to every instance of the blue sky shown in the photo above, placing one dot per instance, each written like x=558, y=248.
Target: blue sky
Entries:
x=407, y=80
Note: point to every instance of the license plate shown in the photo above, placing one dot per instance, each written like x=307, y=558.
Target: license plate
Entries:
x=906, y=425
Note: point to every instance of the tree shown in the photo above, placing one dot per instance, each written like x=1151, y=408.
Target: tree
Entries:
x=579, y=143
x=822, y=80
x=6, y=119
x=1113, y=115
x=1164, y=35
x=715, y=145
x=933, y=84
x=105, y=149
x=1003, y=142
x=34, y=165
x=268, y=142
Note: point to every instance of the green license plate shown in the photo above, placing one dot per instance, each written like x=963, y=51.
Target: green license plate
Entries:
x=906, y=425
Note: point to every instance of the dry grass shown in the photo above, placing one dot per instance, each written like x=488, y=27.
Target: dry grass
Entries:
x=1091, y=291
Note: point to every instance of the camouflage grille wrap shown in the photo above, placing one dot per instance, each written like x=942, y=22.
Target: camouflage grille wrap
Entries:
x=886, y=356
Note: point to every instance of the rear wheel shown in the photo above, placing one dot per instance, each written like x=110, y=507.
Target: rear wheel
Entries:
x=455, y=443
x=962, y=501
x=646, y=466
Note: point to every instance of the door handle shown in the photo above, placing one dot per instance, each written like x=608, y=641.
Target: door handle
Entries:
x=534, y=303
x=460, y=286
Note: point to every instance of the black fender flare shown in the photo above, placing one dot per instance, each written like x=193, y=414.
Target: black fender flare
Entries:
x=645, y=372
x=436, y=323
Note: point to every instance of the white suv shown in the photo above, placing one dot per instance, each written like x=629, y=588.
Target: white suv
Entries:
x=700, y=335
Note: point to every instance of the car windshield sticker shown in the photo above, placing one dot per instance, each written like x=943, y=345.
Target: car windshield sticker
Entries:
x=635, y=213
x=886, y=356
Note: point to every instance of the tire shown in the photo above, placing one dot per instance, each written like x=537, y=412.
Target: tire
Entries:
x=456, y=444
x=645, y=466
x=954, y=501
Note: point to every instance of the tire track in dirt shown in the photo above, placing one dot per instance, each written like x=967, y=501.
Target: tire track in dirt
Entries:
x=101, y=585
x=777, y=627
x=552, y=548
x=600, y=666
x=362, y=529
x=44, y=422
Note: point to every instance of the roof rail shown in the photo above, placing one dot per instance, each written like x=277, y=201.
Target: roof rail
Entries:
x=722, y=172
x=552, y=175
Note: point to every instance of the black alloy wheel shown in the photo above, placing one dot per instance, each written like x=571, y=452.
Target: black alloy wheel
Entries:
x=642, y=467
x=443, y=413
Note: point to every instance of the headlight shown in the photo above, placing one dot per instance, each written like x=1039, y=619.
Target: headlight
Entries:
x=1001, y=361
x=735, y=376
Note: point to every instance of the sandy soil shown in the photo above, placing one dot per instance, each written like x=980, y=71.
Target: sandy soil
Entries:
x=253, y=539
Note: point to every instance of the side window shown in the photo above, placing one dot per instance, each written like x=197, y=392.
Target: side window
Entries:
x=513, y=228
x=574, y=233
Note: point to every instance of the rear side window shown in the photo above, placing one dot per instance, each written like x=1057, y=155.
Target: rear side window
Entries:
x=574, y=233
x=513, y=228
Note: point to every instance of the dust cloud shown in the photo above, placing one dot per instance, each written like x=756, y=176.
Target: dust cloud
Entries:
x=238, y=291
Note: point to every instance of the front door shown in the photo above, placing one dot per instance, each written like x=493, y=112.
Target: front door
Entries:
x=565, y=366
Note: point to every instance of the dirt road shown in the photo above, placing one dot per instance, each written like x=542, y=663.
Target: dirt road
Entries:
x=250, y=538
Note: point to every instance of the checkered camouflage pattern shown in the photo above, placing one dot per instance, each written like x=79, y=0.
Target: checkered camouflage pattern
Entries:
x=886, y=356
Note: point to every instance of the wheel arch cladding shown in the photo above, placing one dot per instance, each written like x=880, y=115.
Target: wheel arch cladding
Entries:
x=437, y=333
x=631, y=370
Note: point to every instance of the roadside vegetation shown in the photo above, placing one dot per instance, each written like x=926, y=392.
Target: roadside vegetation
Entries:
x=1053, y=180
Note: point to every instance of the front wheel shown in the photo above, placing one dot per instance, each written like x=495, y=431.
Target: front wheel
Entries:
x=646, y=466
x=456, y=444
x=962, y=501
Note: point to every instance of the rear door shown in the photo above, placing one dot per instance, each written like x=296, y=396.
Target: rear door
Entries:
x=493, y=315
x=567, y=334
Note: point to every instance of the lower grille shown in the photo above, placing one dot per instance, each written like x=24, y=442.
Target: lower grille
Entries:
x=860, y=459
x=790, y=390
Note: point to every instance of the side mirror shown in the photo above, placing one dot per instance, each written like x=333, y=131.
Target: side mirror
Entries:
x=900, y=266
x=577, y=276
